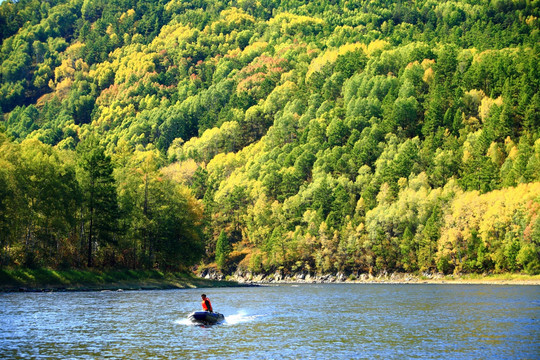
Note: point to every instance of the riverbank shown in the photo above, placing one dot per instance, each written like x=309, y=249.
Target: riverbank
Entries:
x=94, y=280
x=394, y=278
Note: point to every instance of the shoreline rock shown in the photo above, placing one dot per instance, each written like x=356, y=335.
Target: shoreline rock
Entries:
x=366, y=278
x=303, y=277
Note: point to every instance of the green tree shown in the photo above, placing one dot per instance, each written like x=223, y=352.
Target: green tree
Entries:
x=175, y=226
x=100, y=213
x=223, y=249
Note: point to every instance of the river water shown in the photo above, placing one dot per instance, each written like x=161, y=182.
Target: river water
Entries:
x=307, y=321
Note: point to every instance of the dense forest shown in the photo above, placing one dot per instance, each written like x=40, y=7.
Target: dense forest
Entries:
x=267, y=135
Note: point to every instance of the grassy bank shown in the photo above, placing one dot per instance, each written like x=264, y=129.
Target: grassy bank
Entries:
x=494, y=279
x=91, y=280
x=508, y=278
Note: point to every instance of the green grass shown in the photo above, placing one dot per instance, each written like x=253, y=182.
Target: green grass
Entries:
x=500, y=277
x=486, y=278
x=48, y=279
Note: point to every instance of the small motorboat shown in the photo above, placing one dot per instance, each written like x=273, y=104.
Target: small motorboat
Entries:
x=206, y=318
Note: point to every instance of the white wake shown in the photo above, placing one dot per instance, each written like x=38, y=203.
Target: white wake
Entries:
x=184, y=321
x=234, y=319
x=239, y=318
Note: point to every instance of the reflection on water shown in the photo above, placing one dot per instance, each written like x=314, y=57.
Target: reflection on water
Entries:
x=345, y=321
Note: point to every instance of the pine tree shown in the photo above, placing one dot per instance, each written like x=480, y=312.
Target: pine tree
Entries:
x=100, y=199
x=223, y=249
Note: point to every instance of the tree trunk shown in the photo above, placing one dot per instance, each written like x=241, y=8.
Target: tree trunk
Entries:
x=90, y=243
x=91, y=228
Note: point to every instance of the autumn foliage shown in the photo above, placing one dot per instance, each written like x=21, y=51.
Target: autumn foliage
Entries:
x=299, y=136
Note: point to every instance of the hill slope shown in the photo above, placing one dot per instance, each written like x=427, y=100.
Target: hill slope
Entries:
x=313, y=136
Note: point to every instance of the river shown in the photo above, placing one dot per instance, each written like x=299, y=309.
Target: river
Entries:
x=305, y=321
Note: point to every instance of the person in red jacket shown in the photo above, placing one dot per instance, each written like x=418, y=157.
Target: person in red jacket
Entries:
x=206, y=305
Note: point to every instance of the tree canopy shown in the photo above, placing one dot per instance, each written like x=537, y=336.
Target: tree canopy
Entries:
x=318, y=136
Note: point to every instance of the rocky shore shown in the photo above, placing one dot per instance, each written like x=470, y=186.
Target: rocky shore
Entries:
x=246, y=277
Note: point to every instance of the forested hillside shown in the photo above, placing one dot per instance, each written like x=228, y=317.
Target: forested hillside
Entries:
x=264, y=135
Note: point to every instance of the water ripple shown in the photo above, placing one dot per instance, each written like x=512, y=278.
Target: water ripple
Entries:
x=338, y=321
